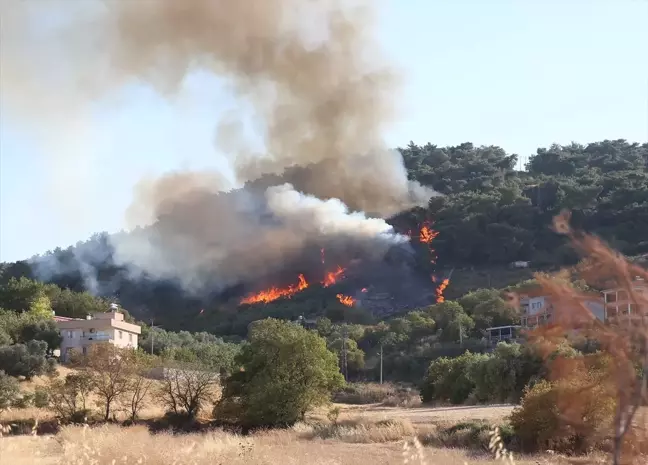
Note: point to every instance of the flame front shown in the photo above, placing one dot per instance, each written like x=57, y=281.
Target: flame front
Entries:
x=440, y=289
x=332, y=277
x=346, y=300
x=275, y=293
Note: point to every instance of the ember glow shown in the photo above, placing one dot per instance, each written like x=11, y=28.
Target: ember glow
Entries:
x=333, y=277
x=440, y=289
x=275, y=293
x=346, y=300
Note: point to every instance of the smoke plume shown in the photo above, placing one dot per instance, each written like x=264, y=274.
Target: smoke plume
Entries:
x=320, y=93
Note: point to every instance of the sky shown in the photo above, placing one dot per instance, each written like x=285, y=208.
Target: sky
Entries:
x=520, y=74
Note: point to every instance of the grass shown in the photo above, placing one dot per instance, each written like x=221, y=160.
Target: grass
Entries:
x=112, y=445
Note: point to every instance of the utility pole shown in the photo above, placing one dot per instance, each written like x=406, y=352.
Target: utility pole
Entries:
x=152, y=334
x=381, y=363
x=344, y=351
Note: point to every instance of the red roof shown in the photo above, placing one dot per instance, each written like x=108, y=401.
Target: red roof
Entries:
x=64, y=318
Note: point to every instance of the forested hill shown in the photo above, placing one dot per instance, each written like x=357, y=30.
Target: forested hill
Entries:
x=490, y=215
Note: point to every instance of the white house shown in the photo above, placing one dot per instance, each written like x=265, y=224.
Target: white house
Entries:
x=78, y=334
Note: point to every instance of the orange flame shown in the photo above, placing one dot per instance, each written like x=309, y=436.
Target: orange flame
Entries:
x=275, y=293
x=346, y=300
x=440, y=289
x=332, y=277
x=427, y=235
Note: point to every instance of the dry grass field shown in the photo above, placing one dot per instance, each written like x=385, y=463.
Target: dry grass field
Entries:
x=112, y=445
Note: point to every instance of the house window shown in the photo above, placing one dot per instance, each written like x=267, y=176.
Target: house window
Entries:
x=130, y=337
x=70, y=334
x=120, y=334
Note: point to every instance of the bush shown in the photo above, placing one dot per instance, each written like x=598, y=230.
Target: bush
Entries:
x=364, y=431
x=503, y=375
x=286, y=370
x=9, y=391
x=41, y=398
x=364, y=393
x=26, y=360
x=24, y=401
x=569, y=415
x=448, y=380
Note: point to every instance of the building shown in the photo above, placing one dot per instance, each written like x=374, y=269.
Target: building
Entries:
x=510, y=333
x=617, y=301
x=536, y=310
x=79, y=334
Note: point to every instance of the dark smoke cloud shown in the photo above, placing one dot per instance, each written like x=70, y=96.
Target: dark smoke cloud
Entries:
x=312, y=72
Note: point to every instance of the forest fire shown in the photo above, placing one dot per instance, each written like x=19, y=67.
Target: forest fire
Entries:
x=275, y=293
x=346, y=300
x=332, y=277
x=440, y=289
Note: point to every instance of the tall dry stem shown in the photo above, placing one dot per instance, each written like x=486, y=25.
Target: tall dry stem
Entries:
x=622, y=338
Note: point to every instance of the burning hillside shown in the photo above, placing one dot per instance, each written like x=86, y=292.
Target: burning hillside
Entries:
x=396, y=281
x=305, y=180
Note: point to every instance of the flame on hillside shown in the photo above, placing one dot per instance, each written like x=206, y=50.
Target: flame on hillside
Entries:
x=346, y=300
x=275, y=293
x=333, y=277
x=440, y=289
x=427, y=235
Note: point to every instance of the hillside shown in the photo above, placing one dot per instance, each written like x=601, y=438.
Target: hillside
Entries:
x=489, y=214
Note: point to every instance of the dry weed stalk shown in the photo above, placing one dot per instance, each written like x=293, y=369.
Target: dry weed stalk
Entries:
x=413, y=452
x=622, y=338
x=498, y=449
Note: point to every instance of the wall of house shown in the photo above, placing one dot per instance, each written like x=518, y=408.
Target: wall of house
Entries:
x=123, y=338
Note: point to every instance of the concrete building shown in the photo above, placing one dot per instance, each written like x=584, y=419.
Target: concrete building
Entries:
x=79, y=334
x=618, y=305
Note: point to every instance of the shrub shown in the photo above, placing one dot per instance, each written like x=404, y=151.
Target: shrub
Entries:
x=26, y=360
x=364, y=393
x=9, y=391
x=540, y=420
x=448, y=379
x=364, y=431
x=41, y=398
x=503, y=374
x=286, y=370
x=24, y=401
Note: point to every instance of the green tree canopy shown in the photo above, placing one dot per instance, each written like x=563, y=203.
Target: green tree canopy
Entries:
x=285, y=371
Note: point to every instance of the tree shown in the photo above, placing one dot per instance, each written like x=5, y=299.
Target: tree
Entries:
x=451, y=318
x=68, y=397
x=286, y=370
x=9, y=391
x=487, y=309
x=26, y=360
x=41, y=306
x=355, y=357
x=185, y=389
x=111, y=369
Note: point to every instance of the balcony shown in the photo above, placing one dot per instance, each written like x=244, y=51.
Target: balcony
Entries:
x=90, y=338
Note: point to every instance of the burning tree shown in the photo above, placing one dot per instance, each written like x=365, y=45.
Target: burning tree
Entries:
x=618, y=371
